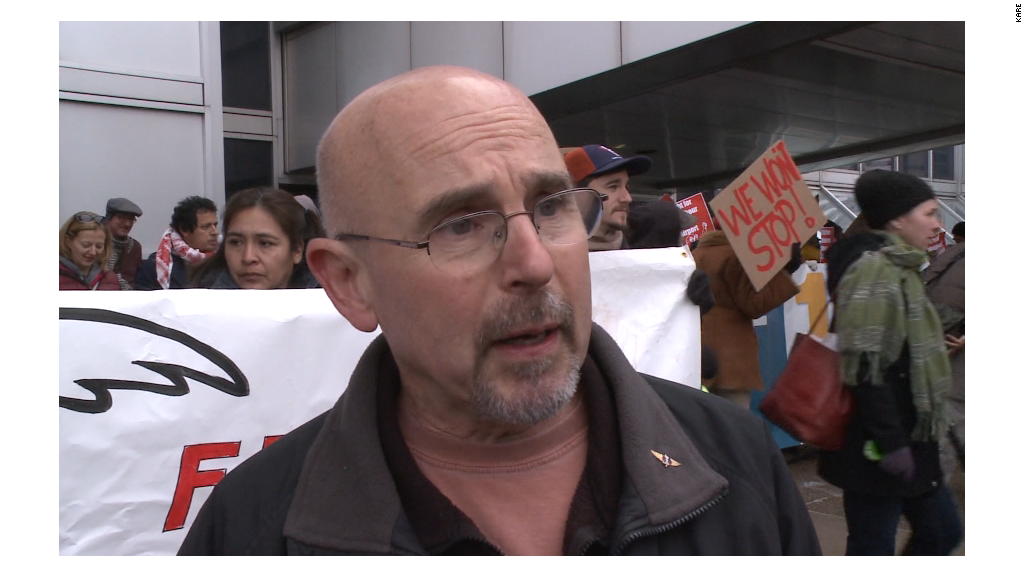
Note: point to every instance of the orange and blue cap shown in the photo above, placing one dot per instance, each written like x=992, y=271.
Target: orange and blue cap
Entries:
x=595, y=160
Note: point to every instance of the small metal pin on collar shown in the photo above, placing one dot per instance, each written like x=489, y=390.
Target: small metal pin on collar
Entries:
x=664, y=459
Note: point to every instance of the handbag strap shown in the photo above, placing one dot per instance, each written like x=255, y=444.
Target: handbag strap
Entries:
x=820, y=314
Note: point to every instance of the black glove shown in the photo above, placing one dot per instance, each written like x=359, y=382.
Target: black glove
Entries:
x=698, y=290
x=797, y=259
x=899, y=463
x=708, y=363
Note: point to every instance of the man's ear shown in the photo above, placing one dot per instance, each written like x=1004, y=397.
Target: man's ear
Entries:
x=341, y=273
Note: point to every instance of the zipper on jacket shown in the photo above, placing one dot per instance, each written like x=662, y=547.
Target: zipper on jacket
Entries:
x=642, y=533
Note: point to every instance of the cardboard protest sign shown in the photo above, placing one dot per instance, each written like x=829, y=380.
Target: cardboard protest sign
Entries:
x=696, y=206
x=938, y=244
x=163, y=393
x=766, y=210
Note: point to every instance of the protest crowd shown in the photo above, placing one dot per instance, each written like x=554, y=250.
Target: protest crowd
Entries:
x=492, y=415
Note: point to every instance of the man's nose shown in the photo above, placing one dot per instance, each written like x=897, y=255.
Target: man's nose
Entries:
x=525, y=259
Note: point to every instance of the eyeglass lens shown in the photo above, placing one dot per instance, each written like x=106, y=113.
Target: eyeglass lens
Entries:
x=475, y=241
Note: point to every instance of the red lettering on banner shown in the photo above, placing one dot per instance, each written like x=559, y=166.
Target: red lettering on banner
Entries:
x=190, y=477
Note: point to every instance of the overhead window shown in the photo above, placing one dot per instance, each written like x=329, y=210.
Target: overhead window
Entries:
x=942, y=163
x=915, y=163
x=245, y=65
x=880, y=164
x=247, y=164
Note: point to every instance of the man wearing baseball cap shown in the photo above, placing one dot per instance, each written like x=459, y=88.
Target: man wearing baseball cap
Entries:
x=127, y=253
x=601, y=168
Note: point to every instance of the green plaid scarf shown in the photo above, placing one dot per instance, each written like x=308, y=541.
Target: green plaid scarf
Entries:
x=881, y=305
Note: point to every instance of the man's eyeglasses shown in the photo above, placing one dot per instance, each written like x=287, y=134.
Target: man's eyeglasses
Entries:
x=473, y=241
x=88, y=217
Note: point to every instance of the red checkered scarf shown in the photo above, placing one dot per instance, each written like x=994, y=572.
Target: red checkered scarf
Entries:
x=172, y=243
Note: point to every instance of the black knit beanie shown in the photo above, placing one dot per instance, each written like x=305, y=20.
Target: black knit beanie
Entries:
x=653, y=225
x=883, y=195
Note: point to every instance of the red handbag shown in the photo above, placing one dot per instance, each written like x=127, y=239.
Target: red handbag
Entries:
x=808, y=399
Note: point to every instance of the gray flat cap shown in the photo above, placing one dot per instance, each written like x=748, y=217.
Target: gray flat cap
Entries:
x=123, y=205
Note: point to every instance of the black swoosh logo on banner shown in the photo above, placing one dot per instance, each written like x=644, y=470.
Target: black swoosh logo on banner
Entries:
x=101, y=387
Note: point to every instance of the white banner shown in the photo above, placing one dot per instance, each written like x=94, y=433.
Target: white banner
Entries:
x=163, y=392
x=640, y=299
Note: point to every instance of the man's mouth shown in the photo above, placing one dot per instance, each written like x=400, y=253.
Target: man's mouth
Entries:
x=528, y=336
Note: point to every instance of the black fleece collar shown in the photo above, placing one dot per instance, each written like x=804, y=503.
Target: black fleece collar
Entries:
x=361, y=492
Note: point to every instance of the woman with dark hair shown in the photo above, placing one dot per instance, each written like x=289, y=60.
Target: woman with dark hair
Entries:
x=894, y=362
x=265, y=236
x=85, y=245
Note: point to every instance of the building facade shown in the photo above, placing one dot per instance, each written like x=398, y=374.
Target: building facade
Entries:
x=157, y=111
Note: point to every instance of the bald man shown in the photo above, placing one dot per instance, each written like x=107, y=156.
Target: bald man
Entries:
x=492, y=416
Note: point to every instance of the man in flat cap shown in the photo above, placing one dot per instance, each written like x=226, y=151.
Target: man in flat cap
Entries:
x=127, y=253
x=603, y=169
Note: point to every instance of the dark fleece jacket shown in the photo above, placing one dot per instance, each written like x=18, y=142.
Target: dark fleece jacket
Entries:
x=342, y=483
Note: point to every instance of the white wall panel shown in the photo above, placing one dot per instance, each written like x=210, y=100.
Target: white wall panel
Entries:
x=156, y=47
x=643, y=39
x=152, y=157
x=542, y=55
x=368, y=53
x=125, y=86
x=248, y=124
x=310, y=92
x=475, y=45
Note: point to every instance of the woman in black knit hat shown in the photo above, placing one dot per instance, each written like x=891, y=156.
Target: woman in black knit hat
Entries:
x=894, y=361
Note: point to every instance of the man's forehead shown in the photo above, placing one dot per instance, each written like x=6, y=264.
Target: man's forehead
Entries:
x=425, y=132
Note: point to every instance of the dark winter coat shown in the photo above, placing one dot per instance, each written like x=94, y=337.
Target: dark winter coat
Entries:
x=945, y=280
x=728, y=327
x=344, y=483
x=128, y=262
x=146, y=278
x=885, y=414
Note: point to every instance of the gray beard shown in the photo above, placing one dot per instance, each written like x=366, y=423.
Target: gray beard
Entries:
x=529, y=404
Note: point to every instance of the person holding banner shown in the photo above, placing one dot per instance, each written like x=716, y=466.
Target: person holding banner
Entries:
x=895, y=363
x=85, y=245
x=265, y=235
x=492, y=415
x=728, y=329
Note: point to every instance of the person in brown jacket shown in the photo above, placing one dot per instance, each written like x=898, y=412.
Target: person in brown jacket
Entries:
x=728, y=327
